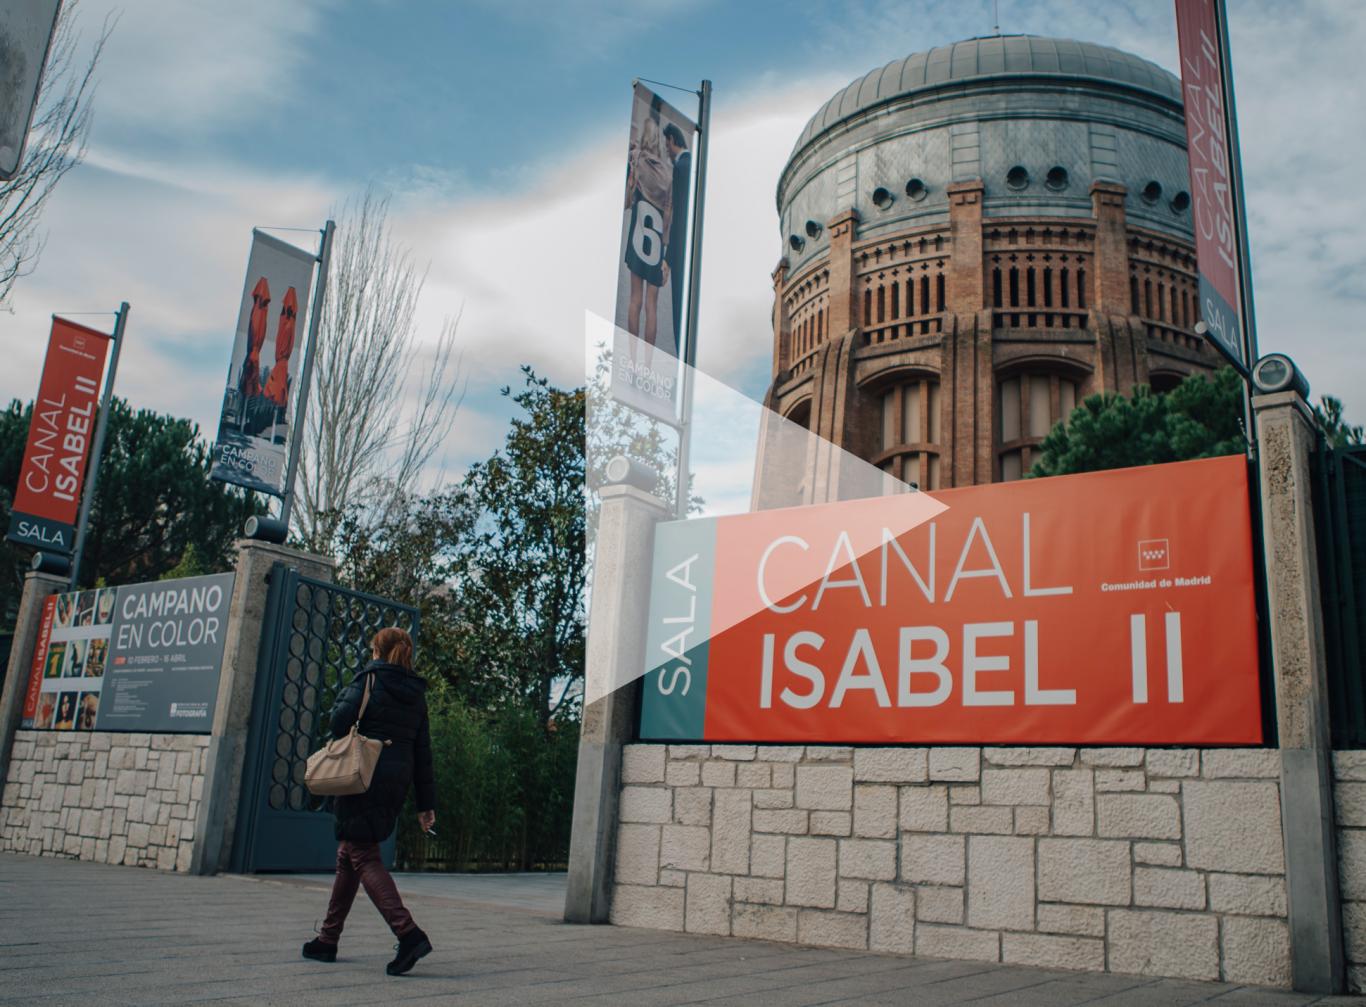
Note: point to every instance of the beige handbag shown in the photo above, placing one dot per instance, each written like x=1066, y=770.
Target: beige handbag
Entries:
x=346, y=765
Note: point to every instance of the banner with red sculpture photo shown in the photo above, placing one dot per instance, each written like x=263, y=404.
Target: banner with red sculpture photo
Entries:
x=48, y=497
x=253, y=428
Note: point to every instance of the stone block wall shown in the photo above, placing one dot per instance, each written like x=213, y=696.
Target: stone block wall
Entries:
x=1349, y=801
x=111, y=798
x=1164, y=862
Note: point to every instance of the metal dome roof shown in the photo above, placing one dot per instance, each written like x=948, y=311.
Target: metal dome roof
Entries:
x=988, y=58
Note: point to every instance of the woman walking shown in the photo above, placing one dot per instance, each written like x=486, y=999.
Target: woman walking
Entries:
x=396, y=713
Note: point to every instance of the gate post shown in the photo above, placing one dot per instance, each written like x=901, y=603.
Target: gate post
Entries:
x=615, y=651
x=1286, y=439
x=218, y=808
x=37, y=587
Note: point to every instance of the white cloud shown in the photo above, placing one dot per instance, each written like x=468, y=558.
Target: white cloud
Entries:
x=171, y=235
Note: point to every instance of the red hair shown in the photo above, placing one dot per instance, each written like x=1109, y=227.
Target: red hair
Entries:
x=393, y=646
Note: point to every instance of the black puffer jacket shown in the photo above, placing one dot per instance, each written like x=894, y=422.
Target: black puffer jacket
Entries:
x=397, y=713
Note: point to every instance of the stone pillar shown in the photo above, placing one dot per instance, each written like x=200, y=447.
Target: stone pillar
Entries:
x=224, y=759
x=615, y=652
x=966, y=294
x=843, y=297
x=1285, y=441
x=782, y=323
x=37, y=587
x=1110, y=285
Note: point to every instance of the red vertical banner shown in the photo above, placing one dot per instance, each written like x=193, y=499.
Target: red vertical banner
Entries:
x=35, y=674
x=1205, y=89
x=48, y=497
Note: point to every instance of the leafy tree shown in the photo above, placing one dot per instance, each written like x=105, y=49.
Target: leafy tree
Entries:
x=521, y=573
x=1199, y=418
x=155, y=508
x=1334, y=424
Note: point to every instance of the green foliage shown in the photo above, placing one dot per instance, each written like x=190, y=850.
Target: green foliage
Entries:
x=1199, y=418
x=1333, y=423
x=505, y=790
x=155, y=508
x=521, y=571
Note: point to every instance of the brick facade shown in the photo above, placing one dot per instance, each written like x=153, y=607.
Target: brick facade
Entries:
x=111, y=798
x=1165, y=862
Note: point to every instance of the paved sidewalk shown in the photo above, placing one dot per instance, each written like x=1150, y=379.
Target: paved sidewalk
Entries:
x=76, y=933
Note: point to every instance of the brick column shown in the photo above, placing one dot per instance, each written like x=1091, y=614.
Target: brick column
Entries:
x=1286, y=440
x=844, y=315
x=966, y=294
x=37, y=587
x=615, y=653
x=1110, y=285
x=782, y=324
x=217, y=819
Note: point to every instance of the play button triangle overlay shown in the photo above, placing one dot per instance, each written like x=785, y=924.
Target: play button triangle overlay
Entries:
x=807, y=509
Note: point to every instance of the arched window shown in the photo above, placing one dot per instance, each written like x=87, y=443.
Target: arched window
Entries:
x=911, y=425
x=1028, y=405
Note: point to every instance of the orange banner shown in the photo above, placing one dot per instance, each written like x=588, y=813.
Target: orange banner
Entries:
x=1107, y=608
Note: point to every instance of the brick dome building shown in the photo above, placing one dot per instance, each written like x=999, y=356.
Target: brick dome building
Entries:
x=975, y=238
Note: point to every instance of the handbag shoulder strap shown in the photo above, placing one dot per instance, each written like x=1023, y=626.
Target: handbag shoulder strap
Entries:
x=365, y=701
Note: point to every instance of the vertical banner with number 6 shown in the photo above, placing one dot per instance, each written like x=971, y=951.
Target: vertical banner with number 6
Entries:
x=655, y=235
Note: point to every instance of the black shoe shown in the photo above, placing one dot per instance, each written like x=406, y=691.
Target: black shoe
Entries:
x=320, y=951
x=410, y=947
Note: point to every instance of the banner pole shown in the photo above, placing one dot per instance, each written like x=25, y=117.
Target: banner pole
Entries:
x=101, y=429
x=296, y=432
x=681, y=490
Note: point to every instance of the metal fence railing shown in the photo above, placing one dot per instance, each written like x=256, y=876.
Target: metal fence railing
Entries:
x=1340, y=523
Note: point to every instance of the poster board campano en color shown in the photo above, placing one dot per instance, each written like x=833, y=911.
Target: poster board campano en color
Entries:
x=141, y=657
x=1107, y=608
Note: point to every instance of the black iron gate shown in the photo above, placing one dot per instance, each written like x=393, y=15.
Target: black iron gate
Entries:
x=316, y=636
x=1340, y=526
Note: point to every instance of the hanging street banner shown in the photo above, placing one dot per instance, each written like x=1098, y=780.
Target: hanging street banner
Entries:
x=1111, y=608
x=26, y=28
x=656, y=232
x=142, y=657
x=254, y=425
x=1212, y=148
x=47, y=499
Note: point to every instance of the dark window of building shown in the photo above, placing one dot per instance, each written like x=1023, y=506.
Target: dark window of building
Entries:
x=1028, y=405
x=911, y=423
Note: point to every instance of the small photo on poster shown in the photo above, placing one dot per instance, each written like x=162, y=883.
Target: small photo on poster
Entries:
x=56, y=658
x=66, y=608
x=65, y=719
x=94, y=661
x=75, y=653
x=104, y=607
x=47, y=706
x=85, y=609
x=86, y=710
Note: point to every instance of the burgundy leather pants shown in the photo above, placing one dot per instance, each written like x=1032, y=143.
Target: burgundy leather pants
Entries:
x=360, y=864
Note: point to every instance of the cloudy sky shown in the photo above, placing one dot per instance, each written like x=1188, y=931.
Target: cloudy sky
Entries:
x=498, y=127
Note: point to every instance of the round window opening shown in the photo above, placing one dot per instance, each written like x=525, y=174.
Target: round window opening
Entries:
x=796, y=242
x=1181, y=202
x=1057, y=178
x=813, y=229
x=882, y=198
x=1017, y=178
x=1152, y=192
x=917, y=189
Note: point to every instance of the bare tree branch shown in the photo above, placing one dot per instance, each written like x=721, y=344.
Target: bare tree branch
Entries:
x=364, y=447
x=56, y=144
